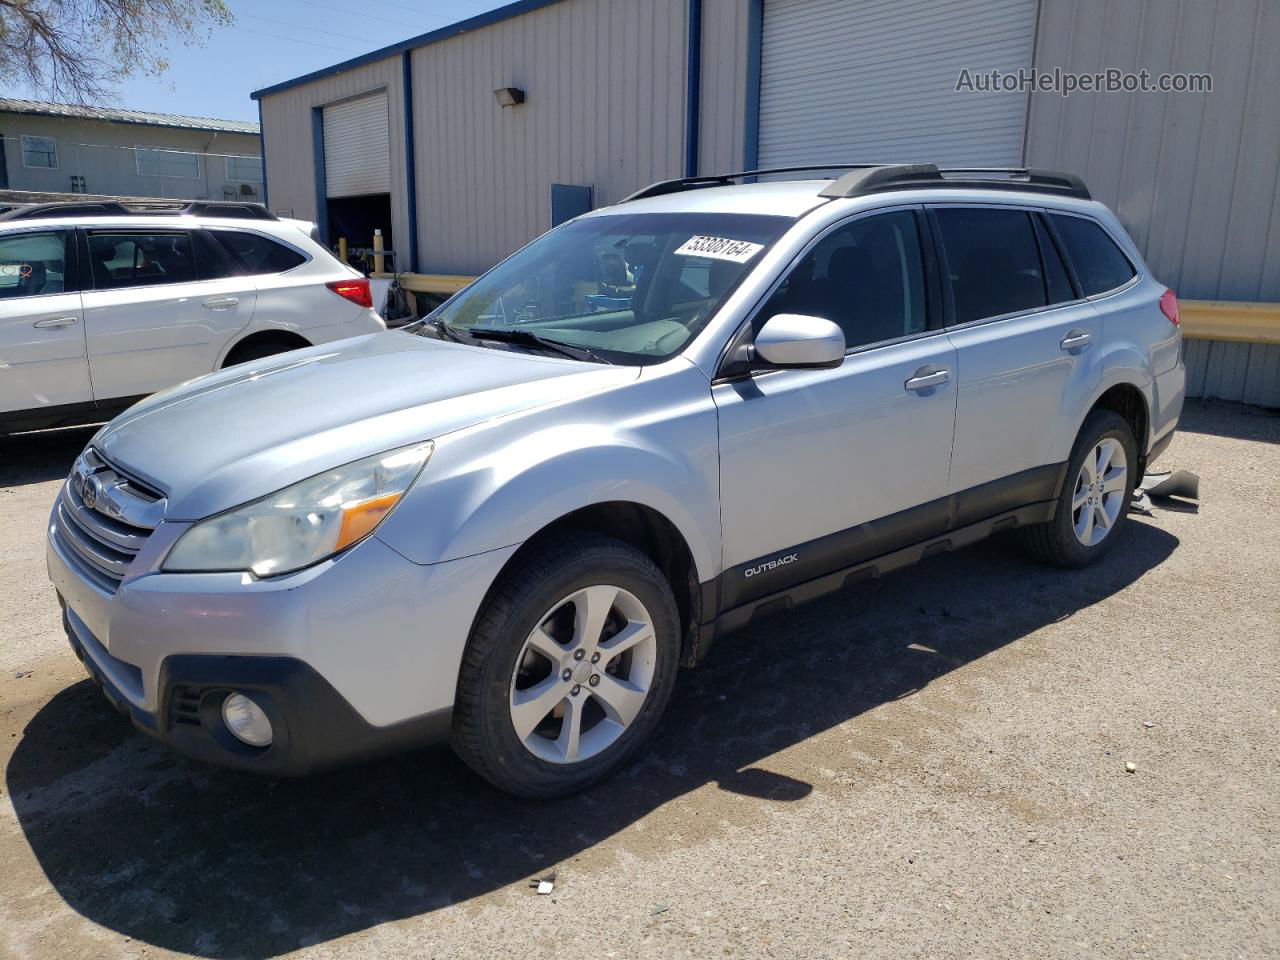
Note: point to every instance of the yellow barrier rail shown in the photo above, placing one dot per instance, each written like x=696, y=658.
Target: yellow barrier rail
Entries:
x=1201, y=319
x=1230, y=320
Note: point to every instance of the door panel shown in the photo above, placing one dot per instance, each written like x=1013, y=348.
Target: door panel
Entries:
x=1023, y=378
x=42, y=339
x=149, y=322
x=1019, y=387
x=806, y=454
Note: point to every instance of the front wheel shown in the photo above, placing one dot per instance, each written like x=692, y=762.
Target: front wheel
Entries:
x=569, y=667
x=1093, y=505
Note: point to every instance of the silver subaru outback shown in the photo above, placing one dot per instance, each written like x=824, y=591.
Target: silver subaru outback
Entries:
x=511, y=526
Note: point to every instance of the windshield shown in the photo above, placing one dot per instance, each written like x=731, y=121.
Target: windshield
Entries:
x=629, y=288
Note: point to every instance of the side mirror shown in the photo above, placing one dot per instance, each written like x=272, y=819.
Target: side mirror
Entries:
x=789, y=340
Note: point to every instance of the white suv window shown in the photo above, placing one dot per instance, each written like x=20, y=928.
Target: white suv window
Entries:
x=257, y=254
x=129, y=258
x=32, y=264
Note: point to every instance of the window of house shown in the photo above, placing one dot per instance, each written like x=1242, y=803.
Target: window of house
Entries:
x=866, y=277
x=992, y=261
x=244, y=169
x=1099, y=263
x=258, y=254
x=40, y=152
x=167, y=163
x=128, y=259
x=32, y=264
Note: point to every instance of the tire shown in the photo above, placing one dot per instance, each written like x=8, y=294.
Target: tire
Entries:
x=527, y=635
x=1060, y=541
x=257, y=350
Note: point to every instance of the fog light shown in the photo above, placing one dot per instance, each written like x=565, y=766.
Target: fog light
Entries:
x=246, y=721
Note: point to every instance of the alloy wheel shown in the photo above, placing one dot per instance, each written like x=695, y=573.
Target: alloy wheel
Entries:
x=584, y=674
x=1099, y=492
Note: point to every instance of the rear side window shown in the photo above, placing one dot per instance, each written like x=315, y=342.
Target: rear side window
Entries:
x=992, y=261
x=1057, y=283
x=256, y=253
x=1099, y=263
x=32, y=264
x=129, y=259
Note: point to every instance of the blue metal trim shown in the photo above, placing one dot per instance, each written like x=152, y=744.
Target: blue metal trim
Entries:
x=410, y=162
x=693, y=95
x=422, y=40
x=262, y=148
x=751, y=122
x=317, y=158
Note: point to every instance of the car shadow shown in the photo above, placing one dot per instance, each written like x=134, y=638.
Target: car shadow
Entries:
x=202, y=860
x=27, y=458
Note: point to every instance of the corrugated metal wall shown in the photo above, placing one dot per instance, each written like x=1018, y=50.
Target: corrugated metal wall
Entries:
x=1194, y=177
x=286, y=122
x=724, y=85
x=605, y=85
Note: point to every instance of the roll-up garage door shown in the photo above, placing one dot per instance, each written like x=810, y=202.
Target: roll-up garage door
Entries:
x=875, y=80
x=357, y=147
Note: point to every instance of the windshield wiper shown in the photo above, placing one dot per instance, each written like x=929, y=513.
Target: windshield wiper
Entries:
x=528, y=338
x=436, y=328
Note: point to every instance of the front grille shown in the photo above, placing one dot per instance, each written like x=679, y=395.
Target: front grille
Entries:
x=103, y=536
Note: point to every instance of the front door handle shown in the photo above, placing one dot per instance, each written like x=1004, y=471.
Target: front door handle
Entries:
x=222, y=303
x=55, y=322
x=1076, y=340
x=923, y=381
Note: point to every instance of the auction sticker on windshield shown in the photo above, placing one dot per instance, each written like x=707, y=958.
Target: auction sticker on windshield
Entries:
x=719, y=248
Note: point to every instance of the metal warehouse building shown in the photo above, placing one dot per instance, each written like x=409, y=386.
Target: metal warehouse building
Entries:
x=464, y=143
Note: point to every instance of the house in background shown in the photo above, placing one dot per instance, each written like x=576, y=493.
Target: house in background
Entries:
x=63, y=149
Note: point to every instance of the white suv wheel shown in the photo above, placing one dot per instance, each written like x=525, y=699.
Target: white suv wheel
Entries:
x=1099, y=492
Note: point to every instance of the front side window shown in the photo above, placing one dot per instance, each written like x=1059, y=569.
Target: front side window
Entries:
x=244, y=169
x=167, y=163
x=32, y=264
x=257, y=254
x=632, y=288
x=993, y=262
x=140, y=259
x=1099, y=263
x=40, y=152
x=866, y=277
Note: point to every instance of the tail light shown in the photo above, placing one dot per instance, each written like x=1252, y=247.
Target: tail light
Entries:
x=1169, y=307
x=357, y=291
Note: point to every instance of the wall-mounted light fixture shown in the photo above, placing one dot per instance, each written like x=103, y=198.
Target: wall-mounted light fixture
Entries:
x=509, y=96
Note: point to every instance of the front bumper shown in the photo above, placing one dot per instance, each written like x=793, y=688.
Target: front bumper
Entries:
x=355, y=656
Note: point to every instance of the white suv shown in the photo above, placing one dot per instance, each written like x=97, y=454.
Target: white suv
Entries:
x=103, y=303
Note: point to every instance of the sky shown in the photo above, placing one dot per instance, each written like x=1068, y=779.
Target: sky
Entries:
x=275, y=40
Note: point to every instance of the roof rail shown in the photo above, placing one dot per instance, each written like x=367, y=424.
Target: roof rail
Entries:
x=926, y=175
x=663, y=187
x=140, y=208
x=864, y=178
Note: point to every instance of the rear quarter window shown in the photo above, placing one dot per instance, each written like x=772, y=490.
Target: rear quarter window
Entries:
x=256, y=253
x=1100, y=264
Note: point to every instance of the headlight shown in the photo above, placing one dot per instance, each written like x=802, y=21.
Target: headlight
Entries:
x=302, y=524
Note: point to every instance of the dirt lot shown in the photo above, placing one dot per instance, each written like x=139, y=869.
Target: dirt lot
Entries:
x=932, y=765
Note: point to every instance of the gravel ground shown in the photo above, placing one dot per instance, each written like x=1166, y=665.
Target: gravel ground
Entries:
x=932, y=765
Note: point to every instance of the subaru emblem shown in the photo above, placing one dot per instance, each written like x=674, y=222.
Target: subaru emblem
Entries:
x=90, y=490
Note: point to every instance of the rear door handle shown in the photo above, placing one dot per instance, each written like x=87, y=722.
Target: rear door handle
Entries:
x=1076, y=339
x=222, y=303
x=923, y=381
x=55, y=322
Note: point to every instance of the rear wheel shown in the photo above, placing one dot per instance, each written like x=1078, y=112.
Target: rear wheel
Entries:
x=257, y=349
x=569, y=667
x=1093, y=505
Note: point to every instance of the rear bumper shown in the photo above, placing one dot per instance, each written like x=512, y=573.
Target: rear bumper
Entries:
x=1168, y=390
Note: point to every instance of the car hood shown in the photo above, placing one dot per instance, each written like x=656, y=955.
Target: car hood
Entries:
x=219, y=441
